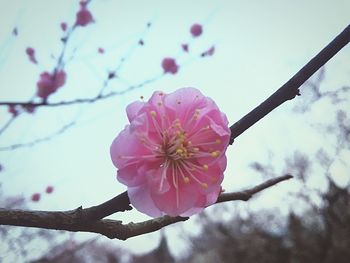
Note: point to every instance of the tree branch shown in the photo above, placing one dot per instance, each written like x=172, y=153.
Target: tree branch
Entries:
x=291, y=88
x=83, y=220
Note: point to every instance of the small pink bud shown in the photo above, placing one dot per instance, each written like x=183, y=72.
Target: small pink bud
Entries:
x=84, y=16
x=29, y=108
x=48, y=83
x=31, y=55
x=12, y=110
x=49, y=189
x=169, y=65
x=184, y=47
x=35, y=197
x=208, y=52
x=30, y=51
x=196, y=30
x=63, y=26
x=101, y=50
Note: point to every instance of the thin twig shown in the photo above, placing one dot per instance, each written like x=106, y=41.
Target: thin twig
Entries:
x=39, y=140
x=79, y=221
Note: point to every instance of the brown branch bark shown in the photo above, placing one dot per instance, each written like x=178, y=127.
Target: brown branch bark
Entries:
x=291, y=88
x=84, y=220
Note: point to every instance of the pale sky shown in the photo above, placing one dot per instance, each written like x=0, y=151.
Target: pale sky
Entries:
x=259, y=46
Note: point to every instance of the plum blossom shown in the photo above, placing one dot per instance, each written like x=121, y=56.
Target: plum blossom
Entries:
x=169, y=65
x=31, y=55
x=48, y=83
x=12, y=109
x=35, y=197
x=49, y=189
x=172, y=154
x=185, y=47
x=63, y=26
x=196, y=30
x=84, y=16
x=208, y=52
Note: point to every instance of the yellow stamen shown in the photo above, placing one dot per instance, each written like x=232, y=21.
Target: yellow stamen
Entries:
x=205, y=167
x=153, y=113
x=215, y=154
x=204, y=185
x=179, y=150
x=186, y=180
x=217, y=141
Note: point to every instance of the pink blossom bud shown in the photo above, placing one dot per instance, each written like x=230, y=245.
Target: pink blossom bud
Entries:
x=49, y=83
x=63, y=26
x=12, y=110
x=169, y=65
x=31, y=54
x=35, y=197
x=84, y=16
x=184, y=47
x=30, y=51
x=208, y=52
x=196, y=30
x=29, y=108
x=49, y=189
x=101, y=50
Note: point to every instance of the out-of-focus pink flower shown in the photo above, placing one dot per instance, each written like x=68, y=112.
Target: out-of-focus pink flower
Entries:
x=169, y=65
x=196, y=30
x=31, y=54
x=84, y=16
x=49, y=83
x=49, y=189
x=208, y=52
x=35, y=197
x=172, y=155
x=12, y=109
x=1, y=168
x=29, y=108
x=101, y=50
x=63, y=26
x=184, y=47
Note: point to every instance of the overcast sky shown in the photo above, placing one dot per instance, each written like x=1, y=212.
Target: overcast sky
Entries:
x=259, y=45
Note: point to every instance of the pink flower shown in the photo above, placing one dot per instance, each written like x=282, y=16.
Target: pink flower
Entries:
x=101, y=50
x=29, y=108
x=31, y=55
x=196, y=30
x=63, y=26
x=208, y=52
x=184, y=47
x=49, y=83
x=84, y=16
x=12, y=109
x=169, y=65
x=172, y=154
x=35, y=197
x=49, y=189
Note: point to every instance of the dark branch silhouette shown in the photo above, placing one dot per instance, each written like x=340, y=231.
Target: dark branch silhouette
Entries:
x=85, y=220
x=291, y=88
